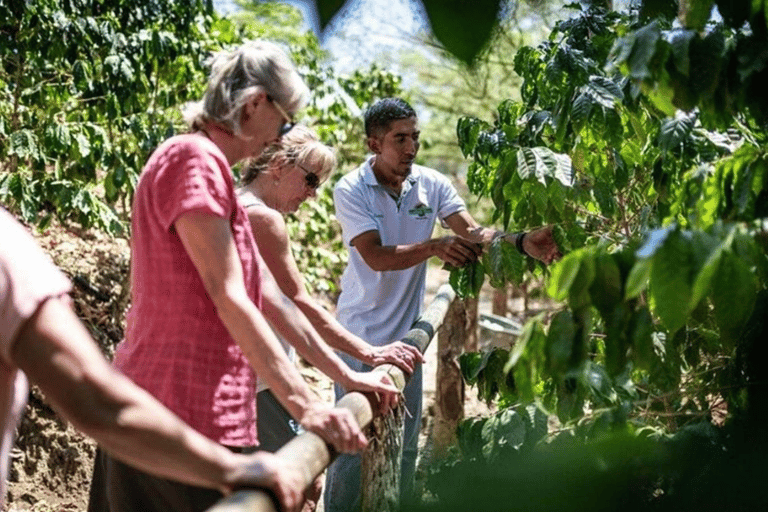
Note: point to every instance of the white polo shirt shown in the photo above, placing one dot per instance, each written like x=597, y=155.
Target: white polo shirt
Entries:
x=381, y=307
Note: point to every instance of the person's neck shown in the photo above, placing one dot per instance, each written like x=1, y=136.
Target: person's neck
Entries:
x=225, y=140
x=395, y=188
x=262, y=187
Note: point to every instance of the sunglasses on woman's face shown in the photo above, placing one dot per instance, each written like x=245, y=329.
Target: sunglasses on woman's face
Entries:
x=310, y=177
x=288, y=124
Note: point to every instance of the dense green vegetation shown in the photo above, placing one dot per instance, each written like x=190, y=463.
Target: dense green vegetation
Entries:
x=79, y=118
x=644, y=141
x=640, y=135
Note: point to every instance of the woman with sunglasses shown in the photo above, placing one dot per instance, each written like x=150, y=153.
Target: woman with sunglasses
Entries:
x=197, y=332
x=276, y=182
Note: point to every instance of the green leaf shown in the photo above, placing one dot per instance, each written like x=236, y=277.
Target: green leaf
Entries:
x=603, y=91
x=578, y=293
x=676, y=130
x=597, y=380
x=327, y=9
x=710, y=255
x=733, y=296
x=643, y=51
x=564, y=273
x=681, y=43
x=606, y=288
x=505, y=428
x=582, y=107
x=58, y=137
x=694, y=14
x=562, y=331
x=463, y=27
x=640, y=333
x=526, y=360
x=468, y=279
x=671, y=283
x=536, y=424
x=24, y=144
x=83, y=145
x=467, y=130
x=542, y=162
x=472, y=363
x=637, y=281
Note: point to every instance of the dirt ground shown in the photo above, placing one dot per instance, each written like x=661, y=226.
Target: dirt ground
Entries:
x=51, y=462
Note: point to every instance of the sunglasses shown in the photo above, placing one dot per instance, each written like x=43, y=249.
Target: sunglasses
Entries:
x=288, y=124
x=310, y=177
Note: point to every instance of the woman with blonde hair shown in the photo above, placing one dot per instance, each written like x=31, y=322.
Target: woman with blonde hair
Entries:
x=277, y=182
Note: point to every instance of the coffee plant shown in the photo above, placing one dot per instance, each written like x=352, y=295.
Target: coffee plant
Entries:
x=642, y=137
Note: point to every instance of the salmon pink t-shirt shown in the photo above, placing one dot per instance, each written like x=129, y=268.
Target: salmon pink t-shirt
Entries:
x=176, y=347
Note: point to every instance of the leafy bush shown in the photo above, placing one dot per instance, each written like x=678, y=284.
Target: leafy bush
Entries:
x=644, y=142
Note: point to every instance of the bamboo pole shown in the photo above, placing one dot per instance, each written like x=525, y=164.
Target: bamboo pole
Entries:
x=308, y=451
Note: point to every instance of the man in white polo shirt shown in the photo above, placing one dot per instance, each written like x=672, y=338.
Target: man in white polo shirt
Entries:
x=387, y=209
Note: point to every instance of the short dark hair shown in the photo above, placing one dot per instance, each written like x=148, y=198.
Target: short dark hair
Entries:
x=378, y=116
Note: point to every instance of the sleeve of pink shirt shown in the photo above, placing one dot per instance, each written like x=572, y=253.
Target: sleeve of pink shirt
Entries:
x=27, y=279
x=191, y=175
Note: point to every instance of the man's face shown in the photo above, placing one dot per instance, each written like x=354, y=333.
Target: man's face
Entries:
x=395, y=151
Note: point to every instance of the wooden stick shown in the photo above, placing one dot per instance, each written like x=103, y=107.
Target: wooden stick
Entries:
x=308, y=451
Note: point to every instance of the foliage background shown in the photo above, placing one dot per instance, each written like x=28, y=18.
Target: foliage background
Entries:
x=640, y=134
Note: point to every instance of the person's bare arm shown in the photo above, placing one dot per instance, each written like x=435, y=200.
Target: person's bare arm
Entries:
x=291, y=323
x=209, y=243
x=538, y=243
x=269, y=229
x=56, y=352
x=451, y=249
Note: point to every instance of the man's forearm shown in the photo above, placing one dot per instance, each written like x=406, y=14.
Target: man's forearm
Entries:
x=399, y=257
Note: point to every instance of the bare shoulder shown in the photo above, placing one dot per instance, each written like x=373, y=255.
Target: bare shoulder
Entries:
x=267, y=223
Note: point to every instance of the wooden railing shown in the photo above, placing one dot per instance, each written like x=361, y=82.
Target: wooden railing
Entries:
x=312, y=455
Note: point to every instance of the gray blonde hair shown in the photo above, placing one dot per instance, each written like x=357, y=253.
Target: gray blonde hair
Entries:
x=299, y=146
x=256, y=66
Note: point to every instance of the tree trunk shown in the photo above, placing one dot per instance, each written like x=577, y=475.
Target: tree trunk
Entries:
x=471, y=341
x=499, y=305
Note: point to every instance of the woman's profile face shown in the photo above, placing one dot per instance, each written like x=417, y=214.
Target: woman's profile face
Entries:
x=261, y=123
x=298, y=183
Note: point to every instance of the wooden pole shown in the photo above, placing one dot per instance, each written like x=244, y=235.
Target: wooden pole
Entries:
x=449, y=384
x=308, y=451
x=471, y=343
x=499, y=304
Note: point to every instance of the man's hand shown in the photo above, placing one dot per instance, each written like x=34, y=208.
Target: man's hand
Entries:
x=337, y=426
x=264, y=469
x=402, y=355
x=455, y=250
x=539, y=244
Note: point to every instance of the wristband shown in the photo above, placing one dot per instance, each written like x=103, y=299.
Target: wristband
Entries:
x=519, y=243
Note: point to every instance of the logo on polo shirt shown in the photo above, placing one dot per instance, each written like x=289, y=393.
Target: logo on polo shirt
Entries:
x=420, y=210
